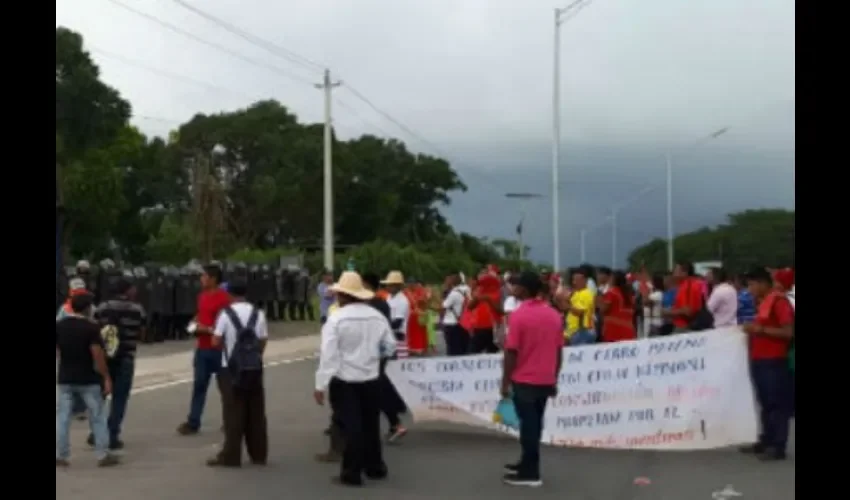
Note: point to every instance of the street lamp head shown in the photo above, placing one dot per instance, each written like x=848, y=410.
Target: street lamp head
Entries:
x=523, y=196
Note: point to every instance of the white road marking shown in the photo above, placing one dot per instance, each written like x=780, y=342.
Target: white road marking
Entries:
x=187, y=380
x=726, y=493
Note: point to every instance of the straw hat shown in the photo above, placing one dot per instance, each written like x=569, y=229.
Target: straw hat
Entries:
x=394, y=278
x=351, y=284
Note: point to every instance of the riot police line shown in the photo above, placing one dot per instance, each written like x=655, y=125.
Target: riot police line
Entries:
x=169, y=294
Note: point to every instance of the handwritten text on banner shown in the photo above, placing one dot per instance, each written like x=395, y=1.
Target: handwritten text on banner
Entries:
x=681, y=392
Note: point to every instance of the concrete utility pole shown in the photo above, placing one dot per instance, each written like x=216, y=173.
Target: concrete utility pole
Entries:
x=327, y=86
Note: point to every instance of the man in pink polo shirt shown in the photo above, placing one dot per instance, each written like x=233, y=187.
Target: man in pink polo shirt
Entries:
x=532, y=363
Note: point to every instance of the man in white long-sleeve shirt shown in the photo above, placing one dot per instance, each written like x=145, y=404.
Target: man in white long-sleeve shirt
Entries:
x=399, y=309
x=353, y=341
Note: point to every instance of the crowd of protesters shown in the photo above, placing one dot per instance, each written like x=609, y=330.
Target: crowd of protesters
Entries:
x=366, y=322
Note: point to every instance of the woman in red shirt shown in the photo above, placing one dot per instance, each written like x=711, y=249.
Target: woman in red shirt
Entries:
x=618, y=309
x=770, y=335
x=417, y=335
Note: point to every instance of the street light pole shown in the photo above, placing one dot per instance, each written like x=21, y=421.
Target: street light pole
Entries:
x=669, y=166
x=556, y=145
x=669, y=212
x=614, y=238
x=561, y=15
x=519, y=236
x=523, y=197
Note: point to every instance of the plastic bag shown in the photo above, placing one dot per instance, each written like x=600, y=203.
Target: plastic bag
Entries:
x=505, y=414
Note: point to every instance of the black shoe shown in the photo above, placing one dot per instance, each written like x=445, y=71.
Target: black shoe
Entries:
x=185, y=429
x=754, y=449
x=116, y=444
x=377, y=474
x=518, y=480
x=90, y=440
x=108, y=461
x=346, y=482
x=512, y=468
x=772, y=455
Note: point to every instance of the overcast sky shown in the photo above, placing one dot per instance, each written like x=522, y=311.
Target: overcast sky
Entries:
x=474, y=79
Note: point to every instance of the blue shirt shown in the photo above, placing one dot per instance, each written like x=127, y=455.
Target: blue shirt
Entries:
x=746, y=307
x=669, y=298
x=324, y=301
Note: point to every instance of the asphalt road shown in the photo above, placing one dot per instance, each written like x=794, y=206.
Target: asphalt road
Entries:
x=277, y=330
x=433, y=461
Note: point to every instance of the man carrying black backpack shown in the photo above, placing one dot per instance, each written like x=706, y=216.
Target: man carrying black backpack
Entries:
x=242, y=329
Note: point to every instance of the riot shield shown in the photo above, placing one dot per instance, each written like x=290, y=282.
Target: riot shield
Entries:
x=184, y=299
x=195, y=289
x=109, y=278
x=254, y=285
x=143, y=288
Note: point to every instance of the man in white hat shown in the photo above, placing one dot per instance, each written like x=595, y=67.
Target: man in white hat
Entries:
x=399, y=306
x=354, y=339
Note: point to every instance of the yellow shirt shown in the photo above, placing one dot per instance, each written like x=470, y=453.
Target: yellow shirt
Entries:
x=333, y=307
x=584, y=300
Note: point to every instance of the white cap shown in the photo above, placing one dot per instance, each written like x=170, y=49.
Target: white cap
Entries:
x=83, y=265
x=77, y=284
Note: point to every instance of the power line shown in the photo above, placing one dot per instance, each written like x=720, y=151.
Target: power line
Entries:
x=164, y=73
x=357, y=115
x=187, y=79
x=216, y=46
x=392, y=120
x=299, y=59
x=276, y=49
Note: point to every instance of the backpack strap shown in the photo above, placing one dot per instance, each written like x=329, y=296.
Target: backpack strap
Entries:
x=252, y=320
x=237, y=325
x=234, y=318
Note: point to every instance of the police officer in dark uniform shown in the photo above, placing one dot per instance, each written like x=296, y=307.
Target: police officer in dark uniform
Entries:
x=305, y=305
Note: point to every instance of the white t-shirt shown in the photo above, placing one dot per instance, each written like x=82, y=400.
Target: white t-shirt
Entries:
x=511, y=304
x=399, y=309
x=652, y=314
x=224, y=328
x=453, y=306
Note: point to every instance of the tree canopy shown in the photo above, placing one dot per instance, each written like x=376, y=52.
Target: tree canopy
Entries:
x=748, y=238
x=244, y=179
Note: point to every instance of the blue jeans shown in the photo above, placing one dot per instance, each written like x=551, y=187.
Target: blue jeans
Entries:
x=93, y=397
x=530, y=404
x=77, y=404
x=774, y=388
x=121, y=371
x=207, y=363
x=583, y=337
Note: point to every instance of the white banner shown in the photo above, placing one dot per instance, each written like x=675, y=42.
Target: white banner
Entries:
x=682, y=392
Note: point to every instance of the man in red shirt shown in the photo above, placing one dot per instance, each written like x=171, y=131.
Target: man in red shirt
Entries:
x=689, y=297
x=211, y=301
x=770, y=335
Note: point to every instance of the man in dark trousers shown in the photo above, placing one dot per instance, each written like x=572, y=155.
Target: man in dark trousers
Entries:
x=242, y=332
x=532, y=362
x=354, y=339
x=125, y=318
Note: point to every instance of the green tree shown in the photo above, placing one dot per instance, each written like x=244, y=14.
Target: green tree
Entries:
x=91, y=141
x=749, y=238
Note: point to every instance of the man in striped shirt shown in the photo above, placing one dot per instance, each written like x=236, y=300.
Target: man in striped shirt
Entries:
x=127, y=317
